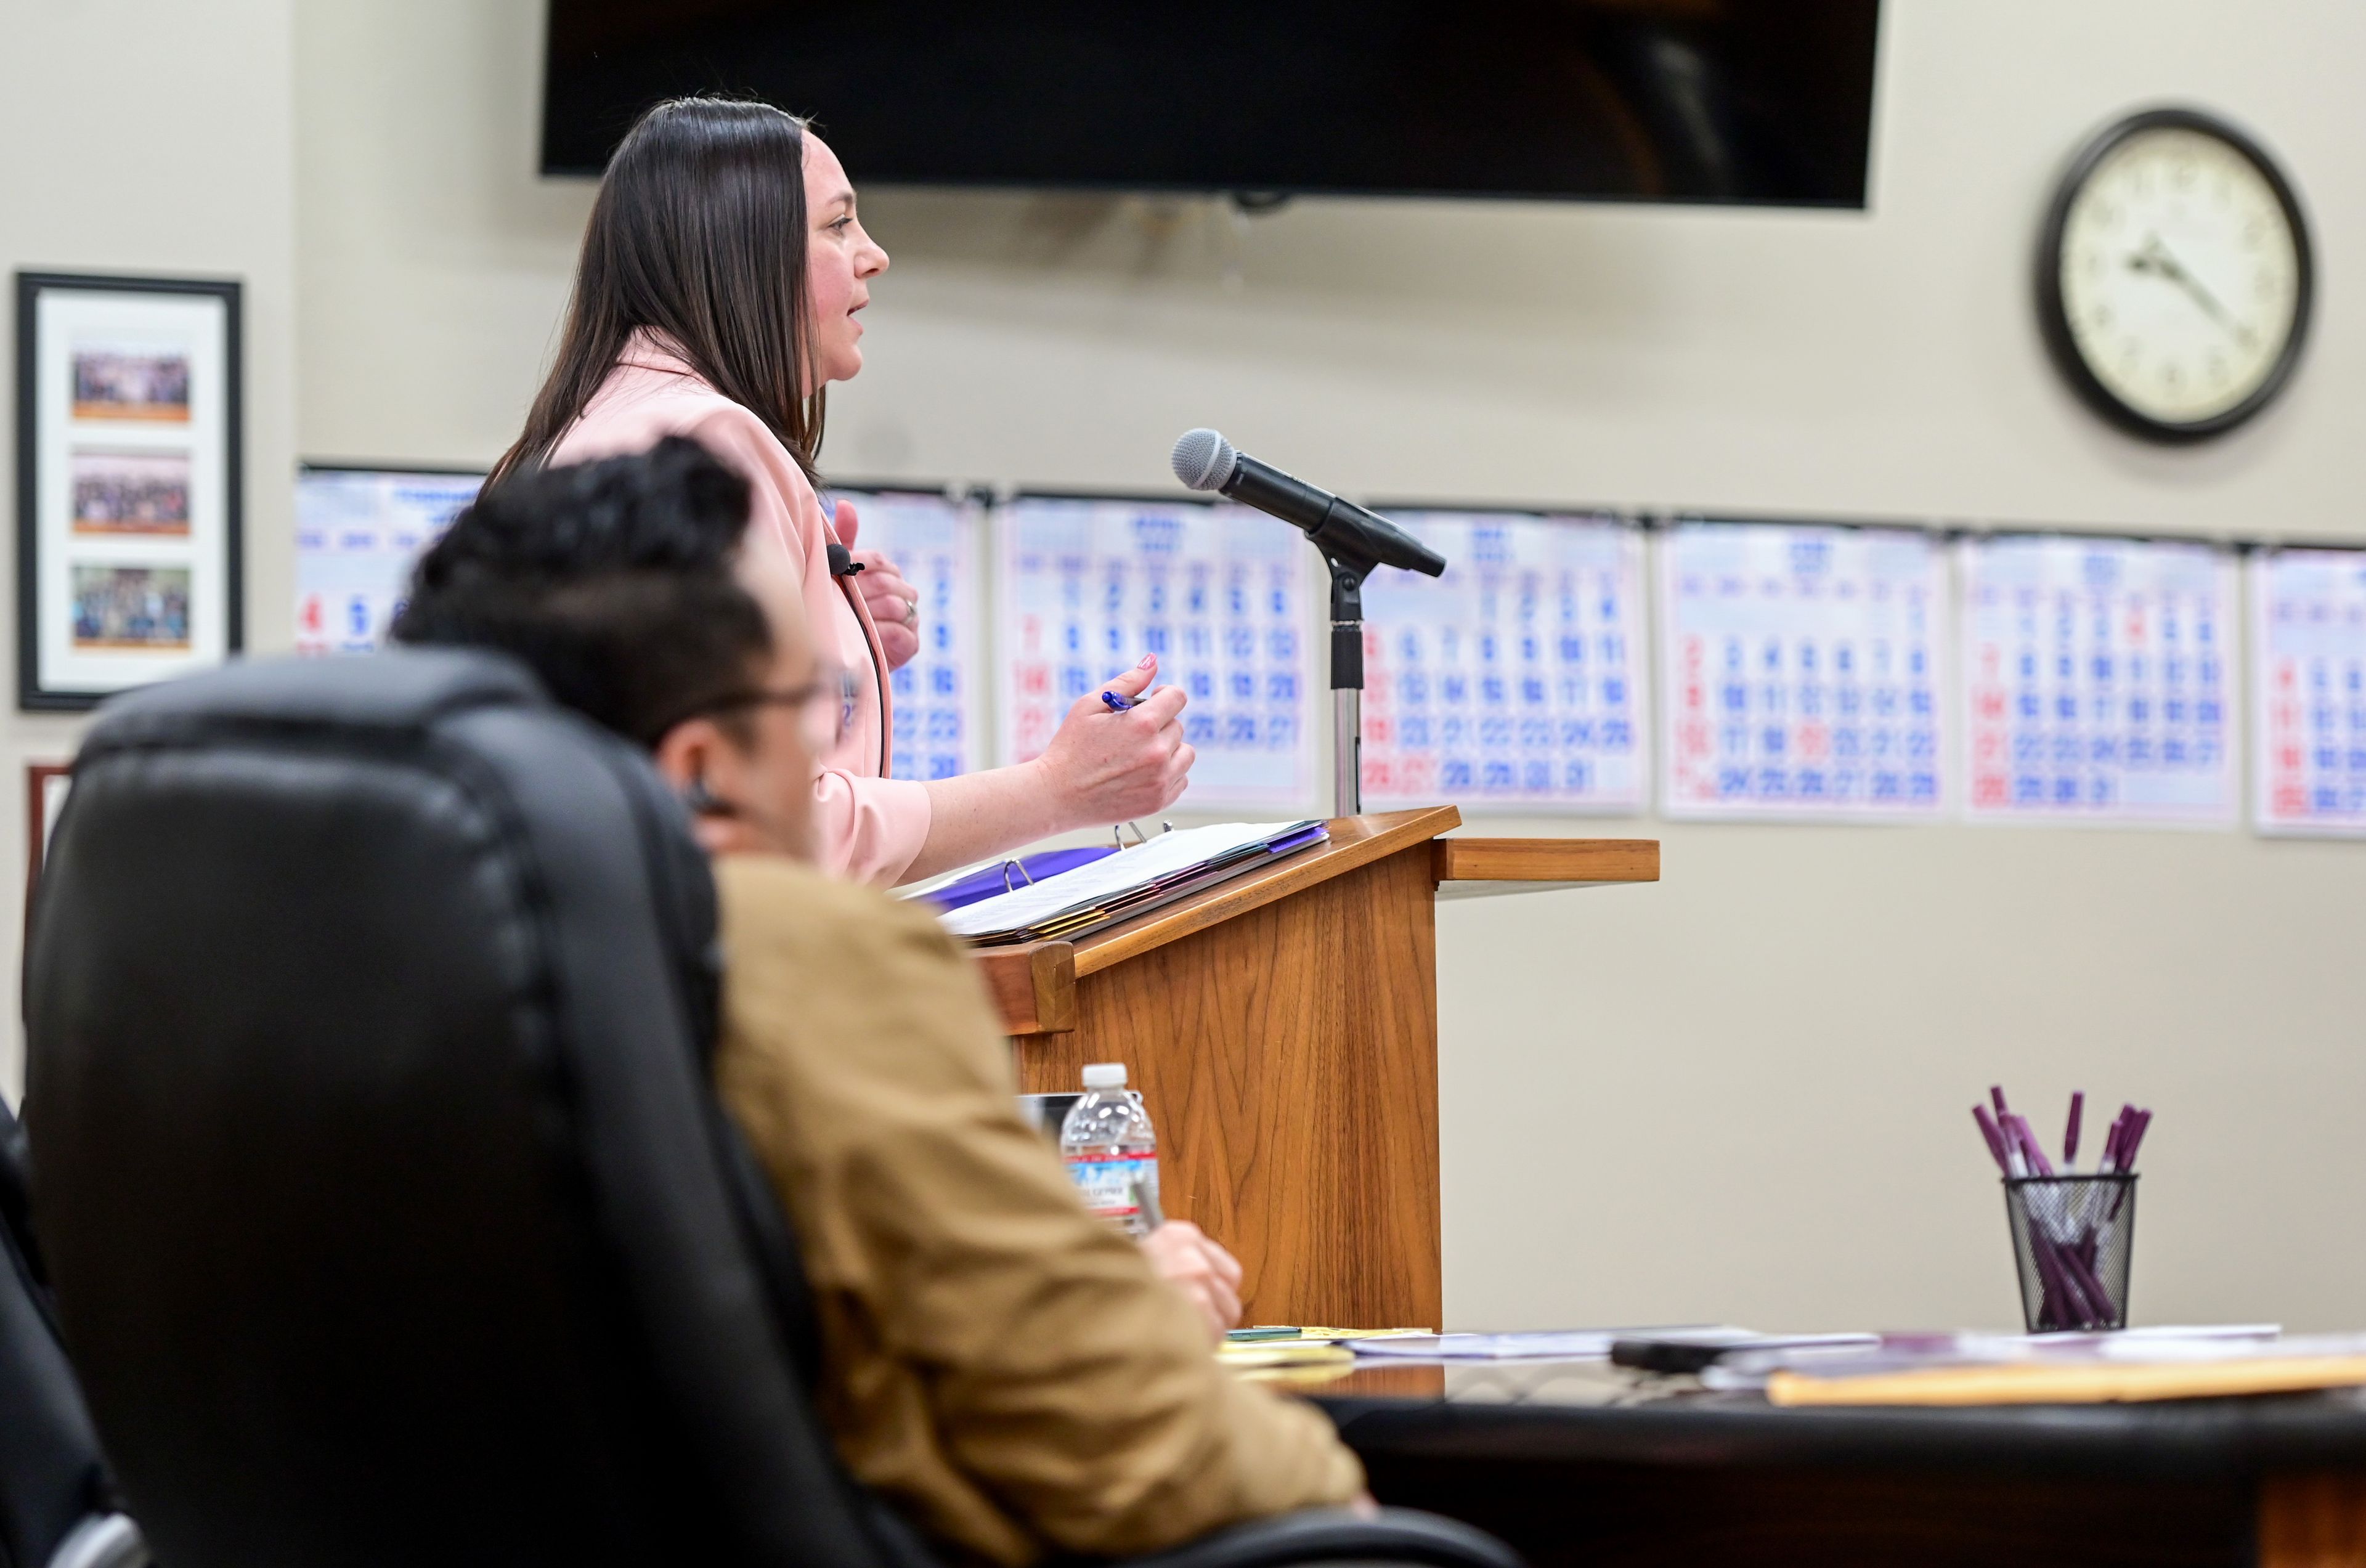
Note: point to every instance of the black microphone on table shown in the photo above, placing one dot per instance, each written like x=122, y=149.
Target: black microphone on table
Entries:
x=1340, y=529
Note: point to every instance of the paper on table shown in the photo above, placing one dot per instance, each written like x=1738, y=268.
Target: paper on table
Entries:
x=1917, y=1353
x=1162, y=857
x=1269, y=1333
x=1581, y=1344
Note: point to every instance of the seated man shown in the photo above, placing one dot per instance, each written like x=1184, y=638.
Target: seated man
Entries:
x=1006, y=1368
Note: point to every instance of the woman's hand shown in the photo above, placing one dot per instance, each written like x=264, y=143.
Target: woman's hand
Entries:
x=1181, y=1254
x=1104, y=767
x=894, y=604
x=1101, y=767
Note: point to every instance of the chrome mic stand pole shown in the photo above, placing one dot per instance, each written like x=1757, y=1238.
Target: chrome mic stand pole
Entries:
x=1347, y=574
x=1347, y=740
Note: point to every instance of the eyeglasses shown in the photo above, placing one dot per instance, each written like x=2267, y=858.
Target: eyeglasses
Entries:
x=825, y=706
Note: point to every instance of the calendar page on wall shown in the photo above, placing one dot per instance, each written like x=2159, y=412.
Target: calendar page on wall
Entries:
x=2308, y=685
x=1516, y=679
x=936, y=696
x=1803, y=672
x=1221, y=594
x=2098, y=686
x=358, y=532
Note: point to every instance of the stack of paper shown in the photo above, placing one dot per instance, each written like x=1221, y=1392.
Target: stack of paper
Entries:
x=1118, y=886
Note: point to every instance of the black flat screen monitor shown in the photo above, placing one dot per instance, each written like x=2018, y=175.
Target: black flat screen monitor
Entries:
x=1765, y=102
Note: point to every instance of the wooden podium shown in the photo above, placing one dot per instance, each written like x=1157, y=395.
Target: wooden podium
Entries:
x=1283, y=1028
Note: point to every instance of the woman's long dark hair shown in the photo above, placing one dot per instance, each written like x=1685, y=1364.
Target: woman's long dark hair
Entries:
x=698, y=233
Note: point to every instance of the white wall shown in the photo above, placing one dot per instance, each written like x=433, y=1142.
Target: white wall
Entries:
x=1741, y=1094
x=150, y=137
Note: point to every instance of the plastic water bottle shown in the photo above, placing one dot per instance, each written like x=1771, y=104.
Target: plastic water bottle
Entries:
x=1111, y=1151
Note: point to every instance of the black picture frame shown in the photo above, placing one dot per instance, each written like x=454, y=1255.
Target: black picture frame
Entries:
x=32, y=693
x=2053, y=314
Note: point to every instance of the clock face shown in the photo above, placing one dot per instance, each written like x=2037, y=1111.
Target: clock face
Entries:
x=2181, y=276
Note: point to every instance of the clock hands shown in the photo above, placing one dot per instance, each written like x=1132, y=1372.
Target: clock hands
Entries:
x=2154, y=258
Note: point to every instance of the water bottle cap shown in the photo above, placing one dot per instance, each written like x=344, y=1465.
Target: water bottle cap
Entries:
x=1105, y=1075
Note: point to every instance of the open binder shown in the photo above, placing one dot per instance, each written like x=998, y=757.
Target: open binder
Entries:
x=1114, y=887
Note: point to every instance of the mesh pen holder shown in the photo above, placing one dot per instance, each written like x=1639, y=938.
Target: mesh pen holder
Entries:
x=2071, y=1239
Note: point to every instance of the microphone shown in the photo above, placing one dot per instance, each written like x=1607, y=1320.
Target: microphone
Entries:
x=1340, y=529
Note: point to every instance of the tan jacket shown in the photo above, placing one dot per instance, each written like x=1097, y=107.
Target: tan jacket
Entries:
x=1005, y=1366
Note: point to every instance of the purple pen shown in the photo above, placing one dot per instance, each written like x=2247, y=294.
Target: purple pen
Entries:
x=2073, y=1256
x=2069, y=1307
x=2094, y=1302
x=1995, y=1136
x=2051, y=1296
x=2118, y=1136
x=2030, y=1147
x=2128, y=1153
x=2070, y=1133
x=1996, y=1098
x=2135, y=1137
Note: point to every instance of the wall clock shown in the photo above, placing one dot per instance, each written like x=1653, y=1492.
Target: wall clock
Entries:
x=2174, y=275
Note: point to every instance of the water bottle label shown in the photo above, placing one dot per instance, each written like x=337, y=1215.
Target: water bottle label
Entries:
x=1112, y=1184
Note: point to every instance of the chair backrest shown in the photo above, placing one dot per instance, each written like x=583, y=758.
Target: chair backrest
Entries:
x=52, y=1477
x=390, y=1214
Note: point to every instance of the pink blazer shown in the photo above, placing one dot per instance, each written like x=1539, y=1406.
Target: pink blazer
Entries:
x=867, y=826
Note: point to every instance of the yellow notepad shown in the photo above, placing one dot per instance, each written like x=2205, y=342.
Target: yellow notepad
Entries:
x=2033, y=1382
x=1283, y=1353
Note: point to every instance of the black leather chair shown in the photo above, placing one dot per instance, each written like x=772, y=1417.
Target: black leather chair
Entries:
x=56, y=1501
x=390, y=1216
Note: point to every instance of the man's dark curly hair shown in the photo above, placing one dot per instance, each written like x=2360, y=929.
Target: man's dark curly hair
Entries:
x=611, y=580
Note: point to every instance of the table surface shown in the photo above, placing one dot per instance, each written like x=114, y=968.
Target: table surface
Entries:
x=1590, y=1411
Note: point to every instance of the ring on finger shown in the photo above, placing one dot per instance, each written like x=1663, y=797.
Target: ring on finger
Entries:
x=911, y=611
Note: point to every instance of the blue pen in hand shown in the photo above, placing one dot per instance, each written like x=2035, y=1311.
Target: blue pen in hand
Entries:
x=1116, y=703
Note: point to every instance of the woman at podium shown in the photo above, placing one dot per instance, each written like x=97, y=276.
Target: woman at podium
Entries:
x=716, y=296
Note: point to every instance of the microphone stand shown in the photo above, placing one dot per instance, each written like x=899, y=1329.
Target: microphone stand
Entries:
x=1348, y=570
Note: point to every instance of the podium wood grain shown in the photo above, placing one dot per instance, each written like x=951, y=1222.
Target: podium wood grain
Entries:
x=1288, y=1049
x=1033, y=986
x=1282, y=1027
x=1574, y=860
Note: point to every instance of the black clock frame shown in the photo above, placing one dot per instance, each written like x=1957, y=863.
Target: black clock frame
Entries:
x=2054, y=318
